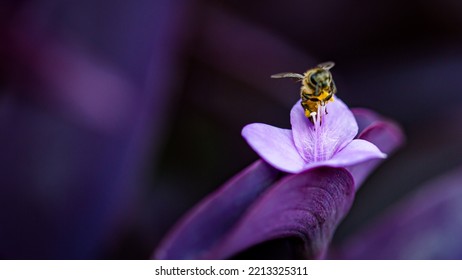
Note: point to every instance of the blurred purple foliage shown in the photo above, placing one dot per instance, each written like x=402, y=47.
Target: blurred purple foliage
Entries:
x=117, y=118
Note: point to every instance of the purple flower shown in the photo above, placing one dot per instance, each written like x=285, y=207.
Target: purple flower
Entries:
x=309, y=145
x=260, y=204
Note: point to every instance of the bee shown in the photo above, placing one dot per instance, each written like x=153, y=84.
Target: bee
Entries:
x=317, y=89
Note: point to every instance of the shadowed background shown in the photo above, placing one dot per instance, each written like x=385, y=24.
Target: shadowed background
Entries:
x=117, y=118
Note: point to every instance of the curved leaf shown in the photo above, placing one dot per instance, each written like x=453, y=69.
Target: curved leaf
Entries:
x=206, y=224
x=247, y=211
x=427, y=225
x=309, y=205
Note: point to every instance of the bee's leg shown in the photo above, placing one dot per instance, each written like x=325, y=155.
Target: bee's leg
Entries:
x=328, y=98
x=308, y=114
x=305, y=107
x=324, y=103
x=311, y=111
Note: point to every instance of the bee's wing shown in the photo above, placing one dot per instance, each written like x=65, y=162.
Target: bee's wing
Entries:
x=326, y=65
x=287, y=75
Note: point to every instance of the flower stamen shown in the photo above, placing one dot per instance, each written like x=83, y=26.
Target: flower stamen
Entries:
x=317, y=118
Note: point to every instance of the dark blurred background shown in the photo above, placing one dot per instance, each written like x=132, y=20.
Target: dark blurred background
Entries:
x=117, y=117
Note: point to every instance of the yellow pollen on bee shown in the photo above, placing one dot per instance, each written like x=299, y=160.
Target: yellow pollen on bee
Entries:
x=312, y=106
x=324, y=94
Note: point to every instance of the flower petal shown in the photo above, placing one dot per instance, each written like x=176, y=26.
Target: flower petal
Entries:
x=308, y=206
x=357, y=152
x=387, y=136
x=211, y=219
x=427, y=225
x=275, y=146
x=338, y=128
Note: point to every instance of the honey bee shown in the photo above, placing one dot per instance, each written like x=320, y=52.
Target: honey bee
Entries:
x=317, y=89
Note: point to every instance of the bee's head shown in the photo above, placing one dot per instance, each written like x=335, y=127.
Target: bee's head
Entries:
x=320, y=77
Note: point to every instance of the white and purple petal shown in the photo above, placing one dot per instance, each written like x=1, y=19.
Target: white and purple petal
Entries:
x=275, y=146
x=356, y=152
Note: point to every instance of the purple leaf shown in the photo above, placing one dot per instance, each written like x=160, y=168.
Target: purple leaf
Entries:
x=246, y=212
x=427, y=225
x=309, y=206
x=207, y=224
x=365, y=117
